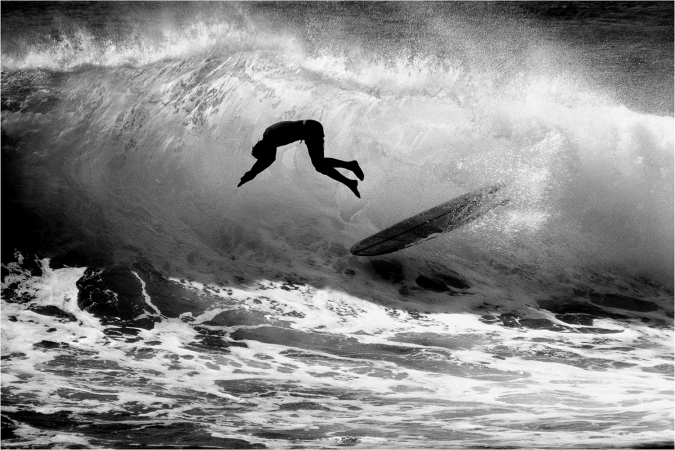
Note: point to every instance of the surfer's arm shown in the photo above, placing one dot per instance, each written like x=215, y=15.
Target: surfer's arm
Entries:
x=258, y=167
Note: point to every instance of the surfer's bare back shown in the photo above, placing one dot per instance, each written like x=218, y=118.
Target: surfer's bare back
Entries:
x=311, y=131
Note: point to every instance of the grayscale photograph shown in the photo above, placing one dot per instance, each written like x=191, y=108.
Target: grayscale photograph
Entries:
x=329, y=224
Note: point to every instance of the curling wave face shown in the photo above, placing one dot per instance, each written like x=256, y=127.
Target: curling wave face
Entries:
x=141, y=138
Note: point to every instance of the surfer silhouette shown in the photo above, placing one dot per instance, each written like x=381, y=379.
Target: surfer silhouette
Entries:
x=311, y=131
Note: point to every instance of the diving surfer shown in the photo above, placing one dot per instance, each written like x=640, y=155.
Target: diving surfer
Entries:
x=311, y=131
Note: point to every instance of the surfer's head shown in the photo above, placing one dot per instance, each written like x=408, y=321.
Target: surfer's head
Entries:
x=260, y=149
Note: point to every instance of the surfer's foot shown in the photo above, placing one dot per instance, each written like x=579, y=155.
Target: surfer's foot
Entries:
x=357, y=170
x=353, y=185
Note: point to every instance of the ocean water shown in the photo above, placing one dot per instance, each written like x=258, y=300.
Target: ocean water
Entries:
x=147, y=301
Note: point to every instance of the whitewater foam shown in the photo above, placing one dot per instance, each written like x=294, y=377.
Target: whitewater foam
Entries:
x=327, y=358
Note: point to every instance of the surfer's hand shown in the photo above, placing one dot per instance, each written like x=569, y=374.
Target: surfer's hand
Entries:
x=246, y=178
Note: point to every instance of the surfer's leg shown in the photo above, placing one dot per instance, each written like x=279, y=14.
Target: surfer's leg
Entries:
x=316, y=153
x=337, y=176
x=327, y=166
x=329, y=171
x=349, y=165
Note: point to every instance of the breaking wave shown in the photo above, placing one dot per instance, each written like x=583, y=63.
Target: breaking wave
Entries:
x=138, y=143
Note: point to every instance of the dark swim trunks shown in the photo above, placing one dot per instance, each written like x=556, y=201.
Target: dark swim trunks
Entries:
x=313, y=130
x=283, y=133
